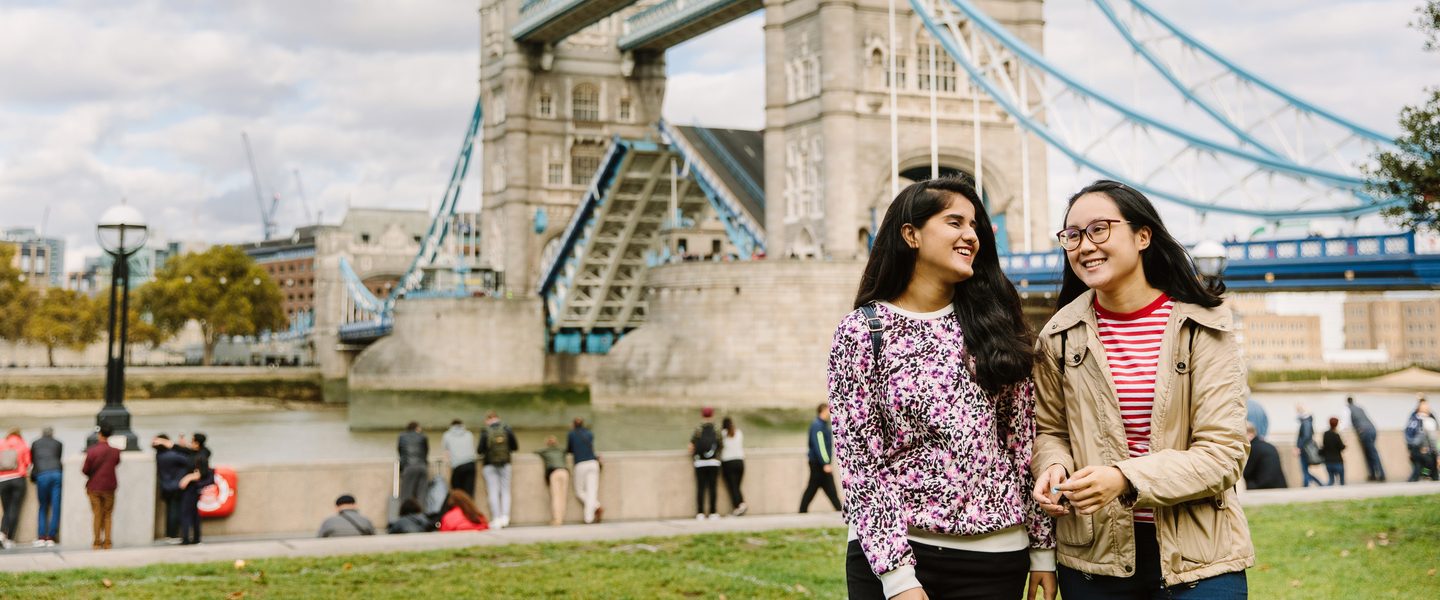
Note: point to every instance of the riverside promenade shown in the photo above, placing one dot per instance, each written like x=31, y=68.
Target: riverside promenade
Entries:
x=219, y=549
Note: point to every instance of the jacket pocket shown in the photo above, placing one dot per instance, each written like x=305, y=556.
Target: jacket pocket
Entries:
x=1202, y=531
x=1075, y=529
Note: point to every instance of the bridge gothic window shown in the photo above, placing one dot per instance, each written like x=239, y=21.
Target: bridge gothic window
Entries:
x=585, y=103
x=584, y=162
x=625, y=110
x=546, y=105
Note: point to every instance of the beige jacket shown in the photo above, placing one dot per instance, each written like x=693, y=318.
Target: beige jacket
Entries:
x=1197, y=440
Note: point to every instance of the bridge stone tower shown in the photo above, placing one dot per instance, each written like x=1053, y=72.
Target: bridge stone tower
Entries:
x=551, y=111
x=827, y=117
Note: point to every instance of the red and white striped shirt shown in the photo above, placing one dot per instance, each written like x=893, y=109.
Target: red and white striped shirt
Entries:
x=1132, y=349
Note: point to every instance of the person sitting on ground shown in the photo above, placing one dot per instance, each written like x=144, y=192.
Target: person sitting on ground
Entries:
x=1262, y=469
x=463, y=515
x=1330, y=450
x=347, y=521
x=412, y=519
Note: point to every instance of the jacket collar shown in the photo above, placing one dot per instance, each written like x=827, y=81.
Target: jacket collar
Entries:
x=1079, y=311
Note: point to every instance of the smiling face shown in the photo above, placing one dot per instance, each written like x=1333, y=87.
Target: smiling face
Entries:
x=947, y=242
x=1114, y=263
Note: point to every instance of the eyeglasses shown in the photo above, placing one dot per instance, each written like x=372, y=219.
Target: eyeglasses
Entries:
x=1098, y=231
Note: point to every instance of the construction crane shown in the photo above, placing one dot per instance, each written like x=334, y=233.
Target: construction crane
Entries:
x=267, y=214
x=304, y=202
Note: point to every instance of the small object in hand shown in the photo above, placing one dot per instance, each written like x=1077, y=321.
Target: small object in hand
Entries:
x=1055, y=489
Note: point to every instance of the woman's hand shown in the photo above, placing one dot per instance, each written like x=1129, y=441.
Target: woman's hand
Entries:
x=1044, y=581
x=914, y=593
x=1050, y=503
x=1094, y=487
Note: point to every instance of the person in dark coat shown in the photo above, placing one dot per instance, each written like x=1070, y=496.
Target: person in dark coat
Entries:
x=1305, y=446
x=172, y=462
x=412, y=520
x=1331, y=450
x=192, y=484
x=1262, y=469
x=413, y=449
x=1365, y=431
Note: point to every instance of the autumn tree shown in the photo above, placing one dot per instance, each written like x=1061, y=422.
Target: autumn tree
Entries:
x=221, y=289
x=17, y=300
x=1410, y=172
x=62, y=319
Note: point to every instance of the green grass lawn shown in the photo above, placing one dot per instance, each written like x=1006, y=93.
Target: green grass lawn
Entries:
x=1387, y=548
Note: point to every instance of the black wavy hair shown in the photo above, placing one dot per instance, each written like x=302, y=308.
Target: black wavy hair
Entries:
x=986, y=304
x=1167, y=264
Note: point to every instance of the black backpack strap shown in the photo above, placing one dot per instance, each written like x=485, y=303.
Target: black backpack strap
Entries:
x=877, y=331
x=358, y=527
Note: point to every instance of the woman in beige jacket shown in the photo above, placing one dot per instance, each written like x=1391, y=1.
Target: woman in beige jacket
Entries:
x=1140, y=413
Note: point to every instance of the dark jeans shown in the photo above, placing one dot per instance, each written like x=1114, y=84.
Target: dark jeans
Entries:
x=412, y=482
x=1305, y=476
x=173, y=502
x=945, y=573
x=47, y=487
x=1422, y=464
x=463, y=478
x=819, y=480
x=12, y=496
x=1147, y=583
x=1335, y=470
x=733, y=471
x=190, y=514
x=705, y=478
x=1372, y=457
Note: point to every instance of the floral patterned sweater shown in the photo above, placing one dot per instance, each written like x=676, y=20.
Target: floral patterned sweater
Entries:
x=931, y=450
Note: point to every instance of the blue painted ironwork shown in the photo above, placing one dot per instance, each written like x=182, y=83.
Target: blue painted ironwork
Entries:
x=553, y=20
x=745, y=234
x=573, y=240
x=741, y=173
x=672, y=16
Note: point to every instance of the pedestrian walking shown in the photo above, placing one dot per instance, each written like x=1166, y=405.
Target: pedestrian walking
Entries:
x=1420, y=436
x=1366, y=433
x=580, y=444
x=14, y=466
x=1262, y=468
x=497, y=444
x=1141, y=415
x=1332, y=452
x=705, y=446
x=191, y=486
x=460, y=451
x=1305, y=446
x=101, y=460
x=929, y=381
x=557, y=478
x=172, y=463
x=732, y=465
x=47, y=472
x=413, y=452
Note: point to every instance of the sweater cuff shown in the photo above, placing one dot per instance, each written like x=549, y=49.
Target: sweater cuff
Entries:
x=899, y=580
x=1042, y=559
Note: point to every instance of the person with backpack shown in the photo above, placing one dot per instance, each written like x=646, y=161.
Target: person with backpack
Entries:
x=933, y=412
x=1141, y=412
x=14, y=466
x=1365, y=431
x=46, y=471
x=1420, y=433
x=705, y=448
x=732, y=465
x=497, y=443
x=819, y=442
x=1305, y=446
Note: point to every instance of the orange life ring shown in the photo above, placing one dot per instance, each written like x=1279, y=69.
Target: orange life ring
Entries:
x=218, y=499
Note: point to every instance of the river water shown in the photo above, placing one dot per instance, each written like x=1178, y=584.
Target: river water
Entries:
x=279, y=433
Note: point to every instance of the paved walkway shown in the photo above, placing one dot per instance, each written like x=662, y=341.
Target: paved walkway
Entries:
x=230, y=550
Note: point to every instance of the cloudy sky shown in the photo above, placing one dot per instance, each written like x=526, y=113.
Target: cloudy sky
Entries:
x=146, y=100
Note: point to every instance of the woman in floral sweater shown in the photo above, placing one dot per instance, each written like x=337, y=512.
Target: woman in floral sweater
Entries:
x=933, y=412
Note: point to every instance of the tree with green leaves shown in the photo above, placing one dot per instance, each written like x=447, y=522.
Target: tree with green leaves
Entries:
x=221, y=289
x=1411, y=171
x=62, y=318
x=17, y=300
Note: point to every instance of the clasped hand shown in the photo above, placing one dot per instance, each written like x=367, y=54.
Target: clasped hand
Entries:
x=1088, y=490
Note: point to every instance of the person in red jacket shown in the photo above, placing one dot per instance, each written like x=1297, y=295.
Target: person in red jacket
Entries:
x=100, y=462
x=463, y=515
x=14, y=465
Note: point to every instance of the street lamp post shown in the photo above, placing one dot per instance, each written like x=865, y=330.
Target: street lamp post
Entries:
x=1210, y=259
x=122, y=232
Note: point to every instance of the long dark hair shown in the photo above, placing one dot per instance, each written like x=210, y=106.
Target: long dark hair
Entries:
x=986, y=304
x=729, y=426
x=460, y=499
x=1167, y=265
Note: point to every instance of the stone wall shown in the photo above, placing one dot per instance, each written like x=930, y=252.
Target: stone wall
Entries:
x=731, y=335
x=470, y=344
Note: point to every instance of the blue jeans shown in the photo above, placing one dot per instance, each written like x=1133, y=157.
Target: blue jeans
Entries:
x=1148, y=583
x=1372, y=457
x=47, y=488
x=1335, y=470
x=1305, y=476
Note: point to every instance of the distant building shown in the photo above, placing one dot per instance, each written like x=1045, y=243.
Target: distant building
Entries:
x=1409, y=330
x=41, y=260
x=290, y=262
x=1271, y=340
x=95, y=275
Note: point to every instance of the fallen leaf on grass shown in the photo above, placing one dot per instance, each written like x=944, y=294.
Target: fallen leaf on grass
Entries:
x=723, y=597
x=1382, y=535
x=1344, y=553
x=1370, y=545
x=239, y=564
x=235, y=595
x=1265, y=567
x=1430, y=573
x=1383, y=542
x=1295, y=583
x=107, y=583
x=801, y=589
x=347, y=567
x=1310, y=533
